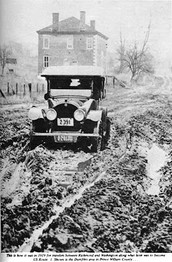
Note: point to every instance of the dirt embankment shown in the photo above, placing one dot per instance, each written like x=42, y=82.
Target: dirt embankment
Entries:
x=62, y=199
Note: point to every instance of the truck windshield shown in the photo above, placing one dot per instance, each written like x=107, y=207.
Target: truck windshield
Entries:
x=71, y=83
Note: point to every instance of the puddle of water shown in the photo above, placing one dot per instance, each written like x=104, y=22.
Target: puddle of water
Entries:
x=11, y=184
x=156, y=159
x=26, y=247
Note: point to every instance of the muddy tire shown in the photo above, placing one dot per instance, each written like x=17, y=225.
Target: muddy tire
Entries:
x=84, y=145
x=34, y=141
x=108, y=123
x=98, y=143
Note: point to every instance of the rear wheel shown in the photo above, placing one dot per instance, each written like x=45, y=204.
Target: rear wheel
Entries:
x=107, y=136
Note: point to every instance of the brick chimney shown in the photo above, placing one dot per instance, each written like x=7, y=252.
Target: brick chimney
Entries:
x=92, y=24
x=55, y=21
x=82, y=19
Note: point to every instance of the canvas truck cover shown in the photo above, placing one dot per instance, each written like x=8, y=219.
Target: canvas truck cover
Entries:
x=73, y=71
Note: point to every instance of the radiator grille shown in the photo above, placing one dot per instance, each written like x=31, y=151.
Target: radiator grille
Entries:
x=66, y=111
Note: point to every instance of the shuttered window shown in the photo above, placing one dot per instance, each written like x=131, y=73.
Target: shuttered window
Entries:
x=70, y=42
x=89, y=43
x=46, y=61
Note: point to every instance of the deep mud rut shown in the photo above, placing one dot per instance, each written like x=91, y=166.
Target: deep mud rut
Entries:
x=61, y=199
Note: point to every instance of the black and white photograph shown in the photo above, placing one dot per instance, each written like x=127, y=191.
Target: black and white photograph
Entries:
x=86, y=130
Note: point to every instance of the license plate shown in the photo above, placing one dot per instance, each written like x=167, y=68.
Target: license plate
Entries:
x=64, y=138
x=65, y=122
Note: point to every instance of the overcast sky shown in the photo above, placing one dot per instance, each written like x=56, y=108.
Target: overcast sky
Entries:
x=20, y=19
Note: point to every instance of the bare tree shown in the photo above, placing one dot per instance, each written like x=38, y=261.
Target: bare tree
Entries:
x=121, y=53
x=4, y=54
x=136, y=60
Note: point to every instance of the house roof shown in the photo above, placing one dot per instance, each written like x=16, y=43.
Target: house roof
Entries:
x=71, y=25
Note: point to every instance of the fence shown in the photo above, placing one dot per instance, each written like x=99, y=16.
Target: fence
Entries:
x=114, y=81
x=22, y=89
x=33, y=90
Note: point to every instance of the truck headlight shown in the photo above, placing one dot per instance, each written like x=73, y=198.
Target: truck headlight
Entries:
x=51, y=114
x=79, y=114
x=34, y=113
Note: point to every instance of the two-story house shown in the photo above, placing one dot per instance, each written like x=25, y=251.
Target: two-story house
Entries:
x=71, y=41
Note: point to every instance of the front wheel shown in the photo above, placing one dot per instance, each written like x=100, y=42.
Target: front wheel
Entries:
x=34, y=141
x=98, y=143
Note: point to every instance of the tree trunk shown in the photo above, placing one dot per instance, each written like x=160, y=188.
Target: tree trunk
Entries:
x=2, y=70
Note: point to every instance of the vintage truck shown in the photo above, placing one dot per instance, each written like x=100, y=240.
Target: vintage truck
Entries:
x=74, y=113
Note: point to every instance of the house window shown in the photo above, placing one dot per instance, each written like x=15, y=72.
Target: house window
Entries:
x=70, y=42
x=46, y=61
x=46, y=42
x=89, y=43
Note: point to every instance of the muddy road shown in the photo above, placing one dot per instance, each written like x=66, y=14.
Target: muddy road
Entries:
x=62, y=199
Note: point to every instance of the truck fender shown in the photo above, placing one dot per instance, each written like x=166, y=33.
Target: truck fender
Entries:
x=94, y=115
x=35, y=113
